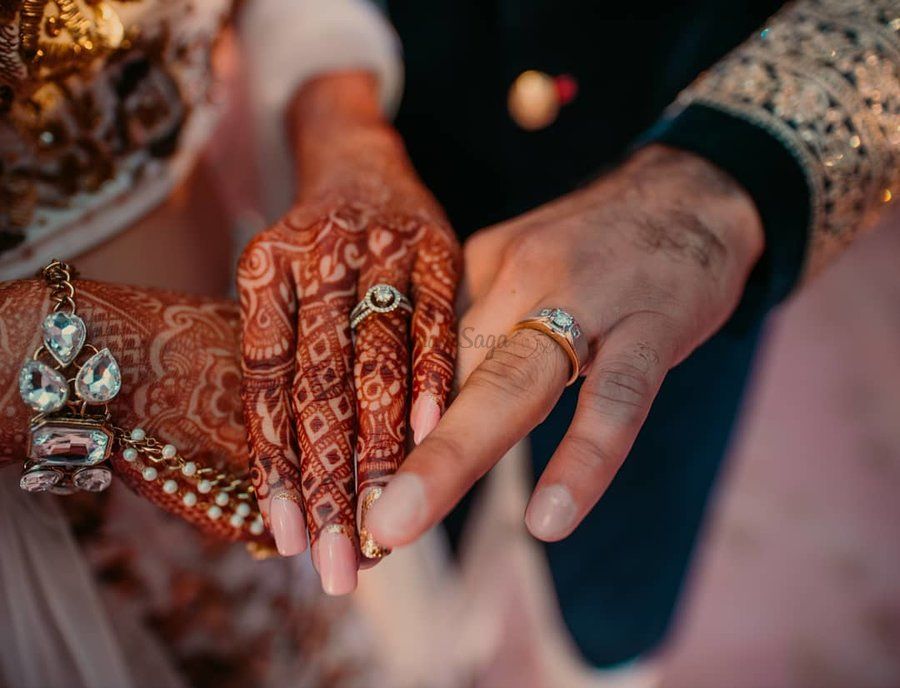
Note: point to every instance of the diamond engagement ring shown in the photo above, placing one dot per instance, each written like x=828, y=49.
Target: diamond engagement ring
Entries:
x=380, y=298
x=563, y=329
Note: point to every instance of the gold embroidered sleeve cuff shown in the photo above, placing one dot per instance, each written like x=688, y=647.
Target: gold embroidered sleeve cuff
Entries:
x=822, y=77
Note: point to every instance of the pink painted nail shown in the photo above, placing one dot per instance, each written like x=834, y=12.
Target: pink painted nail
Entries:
x=424, y=417
x=551, y=513
x=399, y=513
x=288, y=525
x=336, y=556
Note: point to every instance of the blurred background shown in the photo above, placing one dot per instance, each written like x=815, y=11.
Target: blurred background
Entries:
x=797, y=583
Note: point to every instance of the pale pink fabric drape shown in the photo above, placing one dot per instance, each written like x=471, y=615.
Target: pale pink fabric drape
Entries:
x=54, y=630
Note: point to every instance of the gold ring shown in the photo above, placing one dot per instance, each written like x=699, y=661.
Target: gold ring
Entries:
x=563, y=329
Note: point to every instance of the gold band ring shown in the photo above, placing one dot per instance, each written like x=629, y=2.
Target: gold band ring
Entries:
x=563, y=329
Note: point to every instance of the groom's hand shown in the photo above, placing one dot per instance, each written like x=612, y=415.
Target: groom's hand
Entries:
x=650, y=260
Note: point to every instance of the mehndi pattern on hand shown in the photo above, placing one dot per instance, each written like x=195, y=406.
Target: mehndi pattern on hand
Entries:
x=346, y=392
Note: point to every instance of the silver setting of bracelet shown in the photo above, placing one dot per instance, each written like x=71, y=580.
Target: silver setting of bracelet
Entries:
x=70, y=437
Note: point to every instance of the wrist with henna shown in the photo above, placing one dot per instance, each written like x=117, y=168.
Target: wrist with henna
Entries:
x=178, y=357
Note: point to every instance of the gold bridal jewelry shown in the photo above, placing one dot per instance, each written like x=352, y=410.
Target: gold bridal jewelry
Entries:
x=563, y=329
x=69, y=384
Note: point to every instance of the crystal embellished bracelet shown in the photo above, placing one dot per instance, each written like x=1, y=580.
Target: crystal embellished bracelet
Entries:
x=69, y=383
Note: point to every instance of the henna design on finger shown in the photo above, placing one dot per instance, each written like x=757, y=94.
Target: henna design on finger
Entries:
x=382, y=373
x=275, y=465
x=268, y=309
x=323, y=386
x=381, y=346
x=304, y=395
x=434, y=280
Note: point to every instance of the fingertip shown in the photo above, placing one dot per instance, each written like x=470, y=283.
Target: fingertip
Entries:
x=400, y=515
x=288, y=524
x=551, y=514
x=424, y=417
x=335, y=554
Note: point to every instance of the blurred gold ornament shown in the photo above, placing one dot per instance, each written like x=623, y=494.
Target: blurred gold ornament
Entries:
x=58, y=35
x=533, y=101
x=535, y=98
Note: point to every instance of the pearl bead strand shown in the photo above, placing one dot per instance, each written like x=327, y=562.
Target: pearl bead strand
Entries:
x=223, y=497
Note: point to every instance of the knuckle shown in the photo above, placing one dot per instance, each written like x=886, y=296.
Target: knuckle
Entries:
x=652, y=290
x=475, y=246
x=254, y=386
x=528, y=251
x=381, y=445
x=495, y=379
x=448, y=452
x=432, y=374
x=446, y=449
x=319, y=381
x=512, y=368
x=588, y=455
x=621, y=388
x=672, y=329
x=256, y=257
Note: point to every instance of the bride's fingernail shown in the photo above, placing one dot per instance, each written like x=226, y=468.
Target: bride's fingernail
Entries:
x=551, y=513
x=424, y=417
x=288, y=524
x=368, y=545
x=336, y=556
x=399, y=512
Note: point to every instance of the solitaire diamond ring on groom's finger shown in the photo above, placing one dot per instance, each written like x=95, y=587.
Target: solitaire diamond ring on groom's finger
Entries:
x=563, y=329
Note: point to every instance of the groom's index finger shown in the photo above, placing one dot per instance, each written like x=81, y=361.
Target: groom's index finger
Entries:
x=509, y=393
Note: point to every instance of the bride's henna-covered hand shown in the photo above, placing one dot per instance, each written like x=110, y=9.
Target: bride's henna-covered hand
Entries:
x=313, y=396
x=180, y=378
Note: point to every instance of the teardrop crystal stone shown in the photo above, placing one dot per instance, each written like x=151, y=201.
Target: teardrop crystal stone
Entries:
x=42, y=388
x=99, y=379
x=63, y=336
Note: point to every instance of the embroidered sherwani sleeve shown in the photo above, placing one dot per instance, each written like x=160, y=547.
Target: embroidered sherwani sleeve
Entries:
x=821, y=81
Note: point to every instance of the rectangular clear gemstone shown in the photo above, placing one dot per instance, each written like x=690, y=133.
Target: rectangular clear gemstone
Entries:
x=73, y=442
